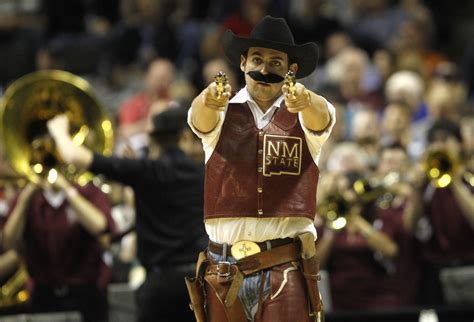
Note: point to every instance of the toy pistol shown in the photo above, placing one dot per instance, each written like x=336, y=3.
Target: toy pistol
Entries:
x=221, y=81
x=290, y=82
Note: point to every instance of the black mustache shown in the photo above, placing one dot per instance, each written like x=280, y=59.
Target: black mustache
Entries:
x=267, y=78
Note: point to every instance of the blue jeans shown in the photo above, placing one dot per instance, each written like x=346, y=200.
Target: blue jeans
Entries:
x=250, y=289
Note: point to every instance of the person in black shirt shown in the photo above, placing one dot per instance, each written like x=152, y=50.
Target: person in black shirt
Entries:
x=169, y=204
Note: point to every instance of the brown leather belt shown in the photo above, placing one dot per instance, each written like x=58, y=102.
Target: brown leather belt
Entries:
x=222, y=249
x=257, y=262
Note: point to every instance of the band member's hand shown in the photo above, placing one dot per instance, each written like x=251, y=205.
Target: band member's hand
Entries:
x=301, y=99
x=58, y=126
x=27, y=193
x=211, y=100
x=128, y=152
x=61, y=182
x=29, y=190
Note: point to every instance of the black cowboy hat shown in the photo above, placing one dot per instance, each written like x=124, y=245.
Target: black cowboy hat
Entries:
x=272, y=33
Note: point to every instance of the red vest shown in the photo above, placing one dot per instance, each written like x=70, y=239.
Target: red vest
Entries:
x=260, y=173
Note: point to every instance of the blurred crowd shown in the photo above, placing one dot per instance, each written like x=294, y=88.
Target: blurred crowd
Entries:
x=400, y=74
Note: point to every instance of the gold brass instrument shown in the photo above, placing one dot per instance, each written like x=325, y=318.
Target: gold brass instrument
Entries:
x=221, y=82
x=469, y=177
x=440, y=167
x=378, y=189
x=12, y=292
x=290, y=82
x=334, y=209
x=30, y=102
x=370, y=189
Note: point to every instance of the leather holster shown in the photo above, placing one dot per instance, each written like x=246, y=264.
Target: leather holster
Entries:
x=195, y=286
x=310, y=268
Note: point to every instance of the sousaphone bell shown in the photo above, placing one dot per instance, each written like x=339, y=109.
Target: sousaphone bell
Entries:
x=30, y=102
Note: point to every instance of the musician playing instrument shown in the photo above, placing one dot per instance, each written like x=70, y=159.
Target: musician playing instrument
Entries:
x=367, y=249
x=443, y=216
x=60, y=222
x=61, y=229
x=262, y=148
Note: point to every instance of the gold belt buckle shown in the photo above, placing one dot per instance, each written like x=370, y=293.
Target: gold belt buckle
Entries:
x=243, y=249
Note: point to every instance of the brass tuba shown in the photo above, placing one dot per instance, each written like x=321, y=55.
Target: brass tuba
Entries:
x=30, y=102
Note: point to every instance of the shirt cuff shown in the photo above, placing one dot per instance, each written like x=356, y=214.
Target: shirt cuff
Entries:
x=210, y=134
x=329, y=126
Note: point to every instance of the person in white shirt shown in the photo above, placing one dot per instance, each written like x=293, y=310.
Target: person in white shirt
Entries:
x=262, y=148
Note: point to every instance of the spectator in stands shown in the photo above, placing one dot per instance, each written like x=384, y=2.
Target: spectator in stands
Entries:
x=336, y=42
x=158, y=79
x=244, y=19
x=320, y=78
x=383, y=66
x=408, y=88
x=347, y=72
x=145, y=32
x=376, y=22
x=309, y=22
x=366, y=132
x=412, y=44
x=134, y=111
x=20, y=35
x=396, y=125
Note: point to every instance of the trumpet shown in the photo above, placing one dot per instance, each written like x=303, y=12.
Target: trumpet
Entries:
x=370, y=189
x=440, y=167
x=334, y=209
x=382, y=190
